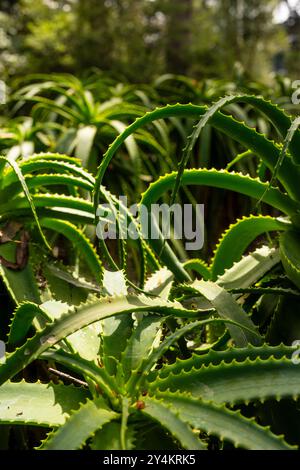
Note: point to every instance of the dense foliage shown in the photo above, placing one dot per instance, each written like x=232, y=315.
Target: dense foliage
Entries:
x=140, y=39
x=138, y=344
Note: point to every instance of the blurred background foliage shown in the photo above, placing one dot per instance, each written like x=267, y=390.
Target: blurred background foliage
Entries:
x=137, y=40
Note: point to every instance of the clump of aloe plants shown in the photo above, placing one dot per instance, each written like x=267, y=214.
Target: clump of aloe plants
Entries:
x=137, y=344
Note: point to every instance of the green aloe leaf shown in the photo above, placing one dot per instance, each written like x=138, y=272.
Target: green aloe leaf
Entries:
x=238, y=237
x=288, y=174
x=249, y=269
x=83, y=423
x=290, y=255
x=80, y=317
x=168, y=418
x=22, y=321
x=223, y=423
x=229, y=309
x=108, y=438
x=80, y=242
x=237, y=382
x=21, y=284
x=27, y=194
x=38, y=403
x=229, y=355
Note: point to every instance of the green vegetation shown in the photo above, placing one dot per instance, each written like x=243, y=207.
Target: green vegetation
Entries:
x=140, y=344
x=142, y=39
x=137, y=342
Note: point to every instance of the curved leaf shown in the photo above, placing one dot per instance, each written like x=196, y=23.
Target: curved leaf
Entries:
x=164, y=414
x=238, y=237
x=80, y=242
x=290, y=255
x=90, y=417
x=237, y=382
x=224, y=423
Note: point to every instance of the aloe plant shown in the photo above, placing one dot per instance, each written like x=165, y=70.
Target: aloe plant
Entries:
x=87, y=116
x=125, y=399
x=281, y=160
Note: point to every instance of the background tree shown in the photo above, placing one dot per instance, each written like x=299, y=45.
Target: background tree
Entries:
x=292, y=26
x=93, y=35
x=178, y=41
x=248, y=36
